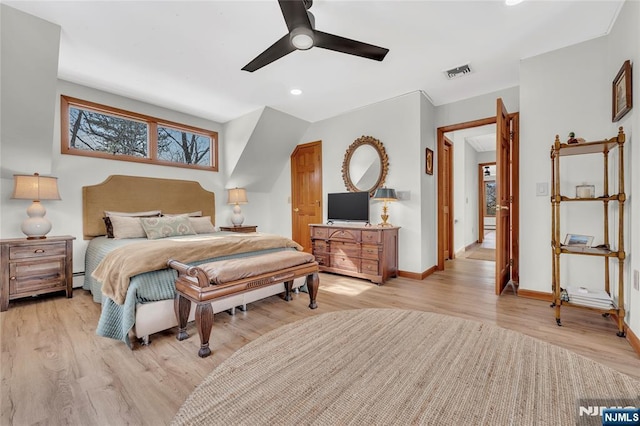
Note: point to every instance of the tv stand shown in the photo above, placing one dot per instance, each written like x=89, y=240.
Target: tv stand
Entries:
x=360, y=251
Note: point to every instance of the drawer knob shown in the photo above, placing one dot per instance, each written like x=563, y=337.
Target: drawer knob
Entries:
x=39, y=251
x=12, y=278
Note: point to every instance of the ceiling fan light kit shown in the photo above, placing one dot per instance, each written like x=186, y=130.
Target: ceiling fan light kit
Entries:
x=302, y=35
x=302, y=38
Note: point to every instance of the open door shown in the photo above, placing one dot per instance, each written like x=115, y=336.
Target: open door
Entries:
x=306, y=191
x=503, y=196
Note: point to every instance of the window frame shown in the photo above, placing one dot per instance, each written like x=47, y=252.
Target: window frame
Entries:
x=152, y=125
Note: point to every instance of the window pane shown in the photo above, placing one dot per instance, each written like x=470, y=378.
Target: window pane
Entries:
x=490, y=198
x=180, y=146
x=94, y=131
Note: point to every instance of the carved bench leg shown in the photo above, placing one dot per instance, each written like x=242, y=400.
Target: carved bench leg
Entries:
x=204, y=324
x=313, y=282
x=288, y=285
x=181, y=306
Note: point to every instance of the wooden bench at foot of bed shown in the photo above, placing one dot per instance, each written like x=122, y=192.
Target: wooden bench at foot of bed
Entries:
x=203, y=283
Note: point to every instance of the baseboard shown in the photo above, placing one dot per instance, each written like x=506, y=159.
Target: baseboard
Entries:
x=417, y=276
x=538, y=295
x=633, y=340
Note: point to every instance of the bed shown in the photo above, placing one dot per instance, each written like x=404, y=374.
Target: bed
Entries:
x=146, y=305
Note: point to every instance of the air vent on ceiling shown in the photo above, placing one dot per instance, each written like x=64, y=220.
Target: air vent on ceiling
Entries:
x=458, y=71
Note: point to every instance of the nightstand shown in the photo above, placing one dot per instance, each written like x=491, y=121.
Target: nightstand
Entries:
x=241, y=228
x=32, y=267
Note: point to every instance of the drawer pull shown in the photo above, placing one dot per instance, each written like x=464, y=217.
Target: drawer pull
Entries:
x=39, y=251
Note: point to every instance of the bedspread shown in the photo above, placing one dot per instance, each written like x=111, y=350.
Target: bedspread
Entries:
x=117, y=267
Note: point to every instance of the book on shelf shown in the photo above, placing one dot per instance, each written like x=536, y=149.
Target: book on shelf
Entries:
x=592, y=298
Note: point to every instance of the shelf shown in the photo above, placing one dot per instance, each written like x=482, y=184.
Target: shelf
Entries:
x=609, y=214
x=614, y=197
x=588, y=251
x=588, y=147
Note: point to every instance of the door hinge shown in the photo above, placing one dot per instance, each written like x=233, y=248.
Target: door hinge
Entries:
x=511, y=199
x=510, y=262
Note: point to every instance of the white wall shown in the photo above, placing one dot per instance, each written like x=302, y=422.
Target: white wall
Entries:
x=563, y=91
x=73, y=172
x=397, y=124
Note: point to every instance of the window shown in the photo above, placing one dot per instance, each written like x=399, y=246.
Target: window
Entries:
x=95, y=130
x=490, y=201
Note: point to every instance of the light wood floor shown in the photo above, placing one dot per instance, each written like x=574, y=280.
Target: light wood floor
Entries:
x=55, y=370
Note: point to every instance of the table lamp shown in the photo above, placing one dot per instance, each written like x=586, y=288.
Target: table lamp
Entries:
x=237, y=196
x=385, y=195
x=36, y=188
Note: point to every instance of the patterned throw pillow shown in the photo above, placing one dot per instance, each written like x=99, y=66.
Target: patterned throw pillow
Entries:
x=167, y=226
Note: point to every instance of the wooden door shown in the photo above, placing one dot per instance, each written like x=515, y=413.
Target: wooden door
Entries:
x=306, y=191
x=503, y=196
x=447, y=199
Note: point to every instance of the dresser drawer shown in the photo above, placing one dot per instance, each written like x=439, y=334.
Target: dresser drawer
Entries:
x=322, y=259
x=345, y=262
x=319, y=246
x=371, y=237
x=370, y=267
x=347, y=249
x=30, y=277
x=345, y=235
x=370, y=251
x=35, y=251
x=317, y=232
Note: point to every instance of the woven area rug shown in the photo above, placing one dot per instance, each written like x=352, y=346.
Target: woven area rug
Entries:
x=388, y=366
x=482, y=253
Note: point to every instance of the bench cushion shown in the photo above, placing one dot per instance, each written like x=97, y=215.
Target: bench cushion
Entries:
x=224, y=271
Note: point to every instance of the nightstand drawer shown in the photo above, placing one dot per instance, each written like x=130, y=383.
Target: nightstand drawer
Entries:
x=30, y=277
x=39, y=250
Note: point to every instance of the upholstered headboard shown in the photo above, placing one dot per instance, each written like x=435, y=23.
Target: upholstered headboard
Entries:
x=134, y=193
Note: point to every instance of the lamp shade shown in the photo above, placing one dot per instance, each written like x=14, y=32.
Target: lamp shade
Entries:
x=385, y=194
x=237, y=196
x=35, y=187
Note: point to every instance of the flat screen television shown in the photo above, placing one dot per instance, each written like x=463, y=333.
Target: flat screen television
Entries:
x=348, y=207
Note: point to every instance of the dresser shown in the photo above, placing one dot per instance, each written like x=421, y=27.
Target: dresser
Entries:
x=357, y=251
x=32, y=267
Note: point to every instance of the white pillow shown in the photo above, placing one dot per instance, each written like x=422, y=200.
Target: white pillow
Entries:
x=127, y=227
x=202, y=225
x=191, y=214
x=133, y=214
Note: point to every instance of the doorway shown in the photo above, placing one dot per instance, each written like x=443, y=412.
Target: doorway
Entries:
x=306, y=191
x=507, y=226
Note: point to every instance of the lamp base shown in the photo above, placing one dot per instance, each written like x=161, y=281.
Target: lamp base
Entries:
x=36, y=226
x=237, y=217
x=384, y=216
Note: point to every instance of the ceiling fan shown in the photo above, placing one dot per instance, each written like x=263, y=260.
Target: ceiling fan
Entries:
x=302, y=35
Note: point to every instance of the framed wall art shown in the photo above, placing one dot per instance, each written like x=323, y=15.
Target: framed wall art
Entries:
x=621, y=97
x=429, y=162
x=576, y=240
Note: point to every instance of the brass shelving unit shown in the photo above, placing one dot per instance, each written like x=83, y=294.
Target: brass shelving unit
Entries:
x=559, y=150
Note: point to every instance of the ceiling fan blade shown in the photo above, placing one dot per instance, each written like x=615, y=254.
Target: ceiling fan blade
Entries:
x=277, y=50
x=295, y=14
x=346, y=45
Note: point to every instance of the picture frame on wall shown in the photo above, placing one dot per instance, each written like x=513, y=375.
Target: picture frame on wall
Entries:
x=622, y=93
x=429, y=162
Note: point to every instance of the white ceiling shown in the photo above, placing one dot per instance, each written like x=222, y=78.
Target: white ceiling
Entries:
x=188, y=55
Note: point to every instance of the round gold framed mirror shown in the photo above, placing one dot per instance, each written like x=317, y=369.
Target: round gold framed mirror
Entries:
x=365, y=165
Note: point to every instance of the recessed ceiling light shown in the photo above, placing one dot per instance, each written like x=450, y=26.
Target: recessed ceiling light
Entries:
x=512, y=2
x=296, y=92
